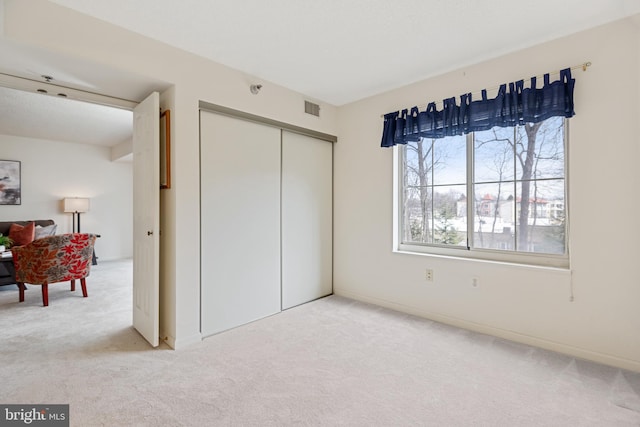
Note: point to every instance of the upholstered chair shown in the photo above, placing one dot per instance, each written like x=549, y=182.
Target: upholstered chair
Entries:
x=60, y=258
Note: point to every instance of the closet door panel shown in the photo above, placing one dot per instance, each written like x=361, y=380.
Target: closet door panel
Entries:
x=307, y=215
x=240, y=222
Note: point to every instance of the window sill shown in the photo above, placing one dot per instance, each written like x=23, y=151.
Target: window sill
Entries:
x=543, y=263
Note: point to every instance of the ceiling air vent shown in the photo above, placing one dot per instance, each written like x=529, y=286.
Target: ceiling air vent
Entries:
x=311, y=108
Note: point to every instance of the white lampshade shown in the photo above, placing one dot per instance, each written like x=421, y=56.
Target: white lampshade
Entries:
x=76, y=204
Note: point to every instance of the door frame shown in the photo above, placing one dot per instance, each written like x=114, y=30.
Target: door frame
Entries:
x=29, y=85
x=219, y=109
x=282, y=126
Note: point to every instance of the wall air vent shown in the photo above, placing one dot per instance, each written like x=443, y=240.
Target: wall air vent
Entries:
x=311, y=108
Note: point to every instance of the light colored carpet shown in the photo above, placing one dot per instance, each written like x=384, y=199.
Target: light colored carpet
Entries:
x=332, y=362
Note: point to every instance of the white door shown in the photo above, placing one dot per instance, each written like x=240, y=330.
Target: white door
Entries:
x=307, y=213
x=240, y=221
x=146, y=217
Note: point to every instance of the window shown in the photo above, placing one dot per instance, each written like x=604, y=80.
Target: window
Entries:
x=497, y=194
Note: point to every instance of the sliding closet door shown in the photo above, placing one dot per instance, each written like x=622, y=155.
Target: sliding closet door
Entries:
x=307, y=213
x=240, y=221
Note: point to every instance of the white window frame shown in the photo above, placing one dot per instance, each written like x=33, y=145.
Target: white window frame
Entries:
x=492, y=255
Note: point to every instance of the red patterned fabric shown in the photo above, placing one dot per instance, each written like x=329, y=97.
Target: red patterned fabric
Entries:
x=59, y=258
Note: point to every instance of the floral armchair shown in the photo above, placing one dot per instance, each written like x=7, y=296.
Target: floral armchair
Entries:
x=60, y=258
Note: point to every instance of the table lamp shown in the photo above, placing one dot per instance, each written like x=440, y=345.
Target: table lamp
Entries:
x=76, y=205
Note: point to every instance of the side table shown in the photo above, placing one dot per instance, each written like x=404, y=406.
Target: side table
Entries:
x=7, y=271
x=94, y=258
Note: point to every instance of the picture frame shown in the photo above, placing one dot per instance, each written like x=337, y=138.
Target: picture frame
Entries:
x=10, y=182
x=165, y=149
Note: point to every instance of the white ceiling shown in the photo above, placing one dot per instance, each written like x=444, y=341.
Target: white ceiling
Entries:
x=48, y=117
x=334, y=51
x=339, y=51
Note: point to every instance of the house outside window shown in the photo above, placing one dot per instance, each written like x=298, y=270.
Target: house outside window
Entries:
x=498, y=194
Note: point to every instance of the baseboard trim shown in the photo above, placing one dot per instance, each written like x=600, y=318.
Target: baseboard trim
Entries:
x=182, y=343
x=569, y=350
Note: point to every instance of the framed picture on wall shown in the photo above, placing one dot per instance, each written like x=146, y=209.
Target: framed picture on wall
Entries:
x=165, y=149
x=10, y=191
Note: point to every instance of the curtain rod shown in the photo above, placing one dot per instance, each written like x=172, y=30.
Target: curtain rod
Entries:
x=583, y=66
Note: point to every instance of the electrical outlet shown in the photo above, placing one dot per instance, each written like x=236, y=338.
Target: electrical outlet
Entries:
x=428, y=275
x=475, y=282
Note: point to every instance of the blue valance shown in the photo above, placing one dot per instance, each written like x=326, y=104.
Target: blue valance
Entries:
x=513, y=105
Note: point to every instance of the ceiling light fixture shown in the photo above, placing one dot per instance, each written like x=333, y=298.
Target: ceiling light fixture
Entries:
x=42, y=91
x=255, y=89
x=47, y=78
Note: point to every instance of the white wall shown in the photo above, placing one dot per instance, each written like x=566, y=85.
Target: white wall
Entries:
x=522, y=303
x=53, y=170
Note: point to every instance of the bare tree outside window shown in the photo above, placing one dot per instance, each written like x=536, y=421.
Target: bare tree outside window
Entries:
x=418, y=164
x=434, y=180
x=516, y=182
